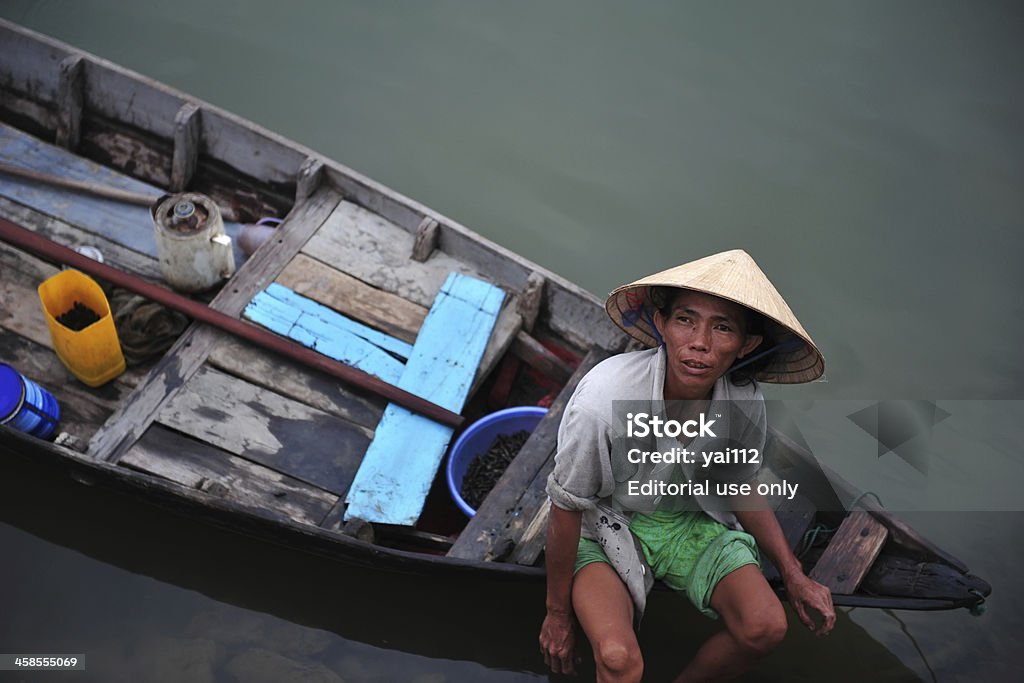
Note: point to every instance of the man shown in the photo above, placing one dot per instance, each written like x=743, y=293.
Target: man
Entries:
x=717, y=326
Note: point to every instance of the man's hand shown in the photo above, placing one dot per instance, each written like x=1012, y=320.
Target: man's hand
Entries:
x=558, y=642
x=806, y=594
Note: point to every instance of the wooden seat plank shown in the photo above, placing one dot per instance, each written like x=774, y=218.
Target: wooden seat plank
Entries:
x=504, y=514
x=178, y=458
x=350, y=296
x=399, y=467
x=267, y=428
x=375, y=250
x=850, y=553
x=290, y=379
x=318, y=316
x=333, y=342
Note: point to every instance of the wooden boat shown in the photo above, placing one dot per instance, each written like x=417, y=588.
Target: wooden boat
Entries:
x=232, y=433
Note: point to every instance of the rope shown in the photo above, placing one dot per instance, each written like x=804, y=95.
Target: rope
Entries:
x=811, y=537
x=862, y=496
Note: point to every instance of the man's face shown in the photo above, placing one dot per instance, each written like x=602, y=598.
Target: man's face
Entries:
x=703, y=336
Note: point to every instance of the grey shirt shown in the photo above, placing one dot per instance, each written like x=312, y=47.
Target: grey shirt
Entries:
x=593, y=475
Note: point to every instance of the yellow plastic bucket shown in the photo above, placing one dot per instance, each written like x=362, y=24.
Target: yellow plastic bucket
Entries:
x=93, y=353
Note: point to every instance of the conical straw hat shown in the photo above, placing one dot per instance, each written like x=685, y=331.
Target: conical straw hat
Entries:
x=731, y=275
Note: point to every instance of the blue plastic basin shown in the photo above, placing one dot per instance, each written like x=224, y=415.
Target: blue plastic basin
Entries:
x=478, y=439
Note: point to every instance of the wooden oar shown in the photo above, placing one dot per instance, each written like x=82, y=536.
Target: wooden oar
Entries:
x=96, y=189
x=41, y=246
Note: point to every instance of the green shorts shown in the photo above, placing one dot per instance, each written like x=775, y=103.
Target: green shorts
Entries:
x=688, y=551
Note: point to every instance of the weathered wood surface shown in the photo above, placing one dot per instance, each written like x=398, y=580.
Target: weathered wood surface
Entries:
x=912, y=578
x=198, y=465
x=352, y=297
x=425, y=241
x=399, y=467
x=291, y=379
x=69, y=102
x=385, y=311
x=328, y=316
x=31, y=62
x=376, y=251
x=268, y=428
x=530, y=544
x=187, y=138
x=128, y=225
x=850, y=553
x=191, y=350
x=534, y=353
x=531, y=299
x=314, y=333
x=502, y=516
x=114, y=253
x=506, y=328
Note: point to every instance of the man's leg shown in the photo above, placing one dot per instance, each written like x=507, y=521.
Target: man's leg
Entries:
x=755, y=624
x=605, y=611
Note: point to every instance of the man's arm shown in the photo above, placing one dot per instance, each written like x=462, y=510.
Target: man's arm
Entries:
x=803, y=591
x=556, y=634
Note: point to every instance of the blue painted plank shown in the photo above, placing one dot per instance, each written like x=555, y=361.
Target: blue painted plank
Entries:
x=329, y=316
x=399, y=466
x=126, y=224
x=338, y=344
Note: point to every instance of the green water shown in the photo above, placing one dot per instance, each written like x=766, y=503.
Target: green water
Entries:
x=869, y=156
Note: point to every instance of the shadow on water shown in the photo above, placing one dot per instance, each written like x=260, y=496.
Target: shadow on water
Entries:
x=268, y=612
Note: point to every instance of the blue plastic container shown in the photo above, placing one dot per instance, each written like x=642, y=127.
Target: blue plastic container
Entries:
x=26, y=406
x=478, y=439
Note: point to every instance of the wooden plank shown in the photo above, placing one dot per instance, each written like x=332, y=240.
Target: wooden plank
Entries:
x=385, y=311
x=376, y=251
x=332, y=318
x=198, y=465
x=530, y=545
x=69, y=235
x=187, y=140
x=125, y=96
x=426, y=239
x=505, y=330
x=335, y=343
x=69, y=102
x=393, y=480
x=534, y=353
x=128, y=225
x=851, y=553
x=501, y=516
x=290, y=379
x=530, y=300
x=352, y=297
x=268, y=428
x=308, y=179
x=31, y=61
x=189, y=352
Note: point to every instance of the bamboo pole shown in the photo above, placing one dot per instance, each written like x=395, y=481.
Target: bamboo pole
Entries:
x=96, y=189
